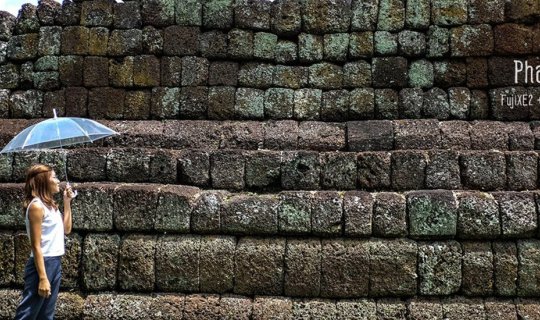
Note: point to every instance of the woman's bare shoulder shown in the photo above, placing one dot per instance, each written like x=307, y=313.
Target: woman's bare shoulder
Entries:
x=35, y=210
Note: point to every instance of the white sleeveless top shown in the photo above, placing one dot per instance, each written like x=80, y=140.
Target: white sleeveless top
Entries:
x=52, y=231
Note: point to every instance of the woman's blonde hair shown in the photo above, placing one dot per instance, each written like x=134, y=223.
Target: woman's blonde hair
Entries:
x=38, y=185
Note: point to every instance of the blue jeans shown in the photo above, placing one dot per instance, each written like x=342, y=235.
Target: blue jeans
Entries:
x=34, y=306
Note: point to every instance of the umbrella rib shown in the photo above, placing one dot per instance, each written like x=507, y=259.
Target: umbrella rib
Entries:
x=83, y=131
x=28, y=136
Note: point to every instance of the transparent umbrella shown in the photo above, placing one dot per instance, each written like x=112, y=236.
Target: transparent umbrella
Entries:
x=58, y=132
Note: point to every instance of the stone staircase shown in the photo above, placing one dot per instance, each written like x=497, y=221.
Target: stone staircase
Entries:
x=294, y=159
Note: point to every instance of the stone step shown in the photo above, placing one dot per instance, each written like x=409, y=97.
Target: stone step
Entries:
x=370, y=135
x=267, y=170
x=72, y=305
x=428, y=214
x=298, y=267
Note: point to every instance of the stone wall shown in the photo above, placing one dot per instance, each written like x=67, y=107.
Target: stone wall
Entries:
x=294, y=159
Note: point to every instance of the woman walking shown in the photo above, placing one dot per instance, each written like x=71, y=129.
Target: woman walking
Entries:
x=45, y=227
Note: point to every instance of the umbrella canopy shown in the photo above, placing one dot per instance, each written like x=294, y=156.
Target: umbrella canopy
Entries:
x=56, y=133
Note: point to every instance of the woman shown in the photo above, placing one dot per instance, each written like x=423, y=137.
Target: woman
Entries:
x=46, y=228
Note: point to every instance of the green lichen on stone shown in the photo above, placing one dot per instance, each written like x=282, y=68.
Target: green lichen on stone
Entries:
x=357, y=74
x=432, y=214
x=310, y=47
x=307, y=104
x=258, y=75
x=6, y=160
x=278, y=103
x=218, y=13
x=325, y=76
x=240, y=44
x=98, y=40
x=249, y=103
x=286, y=51
x=361, y=44
x=264, y=44
x=449, y=12
x=438, y=43
x=121, y=72
x=188, y=12
x=46, y=80
x=166, y=102
x=439, y=268
x=412, y=43
x=362, y=103
x=386, y=43
x=391, y=15
x=421, y=74
x=49, y=40
x=418, y=13
x=364, y=15
x=336, y=46
x=459, y=100
x=47, y=63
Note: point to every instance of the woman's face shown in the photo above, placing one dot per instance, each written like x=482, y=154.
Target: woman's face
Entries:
x=54, y=183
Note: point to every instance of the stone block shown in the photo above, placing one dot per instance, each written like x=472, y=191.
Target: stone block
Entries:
x=69, y=305
x=216, y=263
x=233, y=176
x=125, y=42
x=442, y=170
x=278, y=103
x=266, y=308
x=321, y=136
x=438, y=42
x=259, y=266
x=71, y=70
x=240, y=44
x=137, y=105
x=487, y=135
x=235, y=307
x=74, y=40
x=326, y=17
x=325, y=76
x=49, y=40
x=181, y=40
x=392, y=267
x=478, y=216
x=357, y=211
x=223, y=73
x=335, y=105
x=518, y=214
x=257, y=75
x=294, y=77
x=152, y=40
x=336, y=46
x=177, y=263
x=361, y=44
x=246, y=135
x=338, y=171
x=194, y=71
x=87, y=165
x=302, y=268
x=389, y=215
x=479, y=105
x=374, y=170
x=522, y=39
x=146, y=71
x=93, y=195
x=97, y=13
x=389, y=72
x=121, y=72
x=26, y=104
x=188, y=13
x=286, y=52
x=416, y=134
x=391, y=15
x=505, y=263
x=449, y=73
x=281, y=135
x=477, y=269
x=194, y=167
x=421, y=74
x=432, y=213
x=520, y=136
x=221, y=102
x=262, y=169
x=417, y=14
x=213, y=44
x=205, y=215
x=218, y=14
x=357, y=74
x=483, y=170
x=106, y=102
x=439, y=267
x=497, y=309
x=157, y=13
x=186, y=134
x=300, y=170
x=193, y=102
x=249, y=103
x=386, y=43
x=412, y=43
x=96, y=71
x=409, y=169
x=264, y=45
x=294, y=212
x=521, y=170
x=425, y=308
x=307, y=104
x=455, y=135
x=462, y=308
x=411, y=101
x=135, y=207
x=136, y=263
x=126, y=15
x=471, y=40
x=527, y=308
x=370, y=135
x=9, y=76
x=354, y=309
x=174, y=208
x=436, y=104
x=364, y=15
x=477, y=72
x=344, y=268
x=8, y=256
x=327, y=213
x=100, y=261
x=310, y=47
x=486, y=12
x=286, y=17
x=250, y=214
x=529, y=260
x=502, y=104
x=250, y=15
x=449, y=12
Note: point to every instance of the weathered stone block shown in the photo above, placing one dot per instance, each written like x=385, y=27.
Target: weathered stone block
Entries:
x=479, y=105
x=9, y=76
x=439, y=267
x=136, y=263
x=478, y=216
x=96, y=71
x=448, y=73
x=338, y=171
x=477, y=268
x=252, y=215
x=416, y=134
x=364, y=15
x=177, y=263
x=126, y=15
x=291, y=76
x=421, y=74
x=389, y=215
x=249, y=103
x=417, y=14
x=436, y=104
x=357, y=211
x=286, y=52
x=432, y=213
x=281, y=135
x=374, y=170
x=449, y=12
x=286, y=17
x=205, y=216
x=303, y=268
x=157, y=13
x=294, y=212
x=310, y=47
x=216, y=263
x=106, y=102
x=125, y=42
x=357, y=74
x=264, y=45
x=326, y=17
x=194, y=167
x=361, y=44
x=213, y=44
x=221, y=102
x=300, y=170
x=193, y=102
x=438, y=42
x=121, y=72
x=518, y=214
x=477, y=72
x=327, y=213
x=97, y=13
x=521, y=35
x=370, y=135
x=392, y=266
x=278, y=103
x=521, y=170
x=386, y=43
x=487, y=135
x=391, y=15
x=180, y=40
x=135, y=207
x=455, y=135
x=412, y=43
x=266, y=308
x=389, y=72
x=93, y=196
x=257, y=75
x=529, y=261
x=483, y=170
x=218, y=14
x=100, y=261
x=259, y=266
x=146, y=71
x=194, y=71
x=425, y=308
x=152, y=40
x=325, y=76
x=174, y=208
x=442, y=171
x=87, y=165
x=49, y=40
x=409, y=169
x=240, y=44
x=233, y=176
x=336, y=46
x=486, y=12
x=344, y=268
x=246, y=135
x=223, y=73
x=8, y=256
x=263, y=169
x=307, y=104
x=505, y=261
x=335, y=105
x=470, y=40
x=462, y=308
x=500, y=309
x=75, y=40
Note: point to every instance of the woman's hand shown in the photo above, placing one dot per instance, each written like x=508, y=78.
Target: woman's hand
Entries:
x=69, y=194
x=44, y=288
